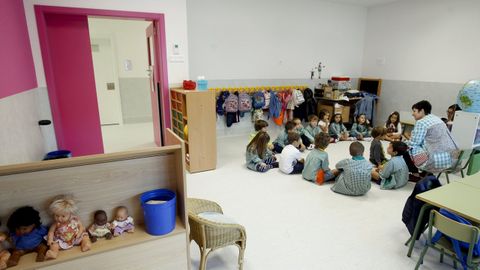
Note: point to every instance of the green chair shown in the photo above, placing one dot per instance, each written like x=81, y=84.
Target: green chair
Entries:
x=474, y=165
x=453, y=229
x=464, y=158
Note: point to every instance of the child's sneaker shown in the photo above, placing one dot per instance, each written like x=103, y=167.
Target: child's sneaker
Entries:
x=311, y=146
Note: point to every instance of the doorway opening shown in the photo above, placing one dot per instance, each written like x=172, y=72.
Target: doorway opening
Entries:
x=69, y=72
x=122, y=79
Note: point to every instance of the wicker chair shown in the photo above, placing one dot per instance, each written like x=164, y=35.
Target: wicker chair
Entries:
x=209, y=235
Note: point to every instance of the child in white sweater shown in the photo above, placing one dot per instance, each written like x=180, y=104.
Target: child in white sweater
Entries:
x=291, y=161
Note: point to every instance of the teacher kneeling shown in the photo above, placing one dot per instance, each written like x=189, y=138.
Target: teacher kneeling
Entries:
x=432, y=147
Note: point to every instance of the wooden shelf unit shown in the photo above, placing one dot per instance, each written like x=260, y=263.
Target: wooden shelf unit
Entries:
x=196, y=110
x=104, y=182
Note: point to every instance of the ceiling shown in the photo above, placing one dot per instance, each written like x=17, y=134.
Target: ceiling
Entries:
x=366, y=3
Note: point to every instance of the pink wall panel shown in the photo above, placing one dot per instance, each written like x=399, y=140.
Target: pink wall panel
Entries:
x=17, y=72
x=72, y=88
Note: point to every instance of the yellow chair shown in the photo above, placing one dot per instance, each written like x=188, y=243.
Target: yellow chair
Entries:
x=210, y=235
x=455, y=230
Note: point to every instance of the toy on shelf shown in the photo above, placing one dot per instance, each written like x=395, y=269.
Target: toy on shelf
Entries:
x=123, y=222
x=67, y=230
x=4, y=254
x=100, y=227
x=26, y=234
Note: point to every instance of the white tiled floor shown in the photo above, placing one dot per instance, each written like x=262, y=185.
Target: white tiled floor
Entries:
x=127, y=136
x=293, y=224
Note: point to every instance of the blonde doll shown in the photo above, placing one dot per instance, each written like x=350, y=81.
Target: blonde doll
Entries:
x=4, y=254
x=67, y=230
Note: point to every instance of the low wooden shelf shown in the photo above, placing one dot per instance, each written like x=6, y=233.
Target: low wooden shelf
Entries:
x=139, y=237
x=105, y=182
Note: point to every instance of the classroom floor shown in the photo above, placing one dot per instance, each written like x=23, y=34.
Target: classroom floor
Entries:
x=127, y=136
x=294, y=224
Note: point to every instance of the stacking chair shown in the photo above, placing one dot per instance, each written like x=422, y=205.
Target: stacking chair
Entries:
x=211, y=235
x=464, y=158
x=455, y=230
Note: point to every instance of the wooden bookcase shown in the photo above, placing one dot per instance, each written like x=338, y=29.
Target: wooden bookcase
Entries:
x=196, y=110
x=104, y=182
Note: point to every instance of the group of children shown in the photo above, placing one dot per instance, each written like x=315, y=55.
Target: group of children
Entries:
x=353, y=176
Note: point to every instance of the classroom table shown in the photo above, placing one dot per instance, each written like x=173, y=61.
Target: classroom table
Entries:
x=459, y=198
x=473, y=181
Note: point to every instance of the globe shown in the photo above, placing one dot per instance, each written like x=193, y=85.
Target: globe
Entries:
x=469, y=97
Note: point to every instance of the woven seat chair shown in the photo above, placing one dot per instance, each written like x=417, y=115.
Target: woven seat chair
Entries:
x=209, y=235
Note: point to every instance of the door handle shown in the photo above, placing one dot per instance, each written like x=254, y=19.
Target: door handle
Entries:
x=150, y=71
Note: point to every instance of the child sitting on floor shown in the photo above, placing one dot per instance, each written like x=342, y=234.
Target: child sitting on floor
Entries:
x=312, y=129
x=324, y=122
x=291, y=161
x=356, y=173
x=258, y=157
x=282, y=138
x=394, y=127
x=377, y=156
x=394, y=174
x=360, y=129
x=316, y=165
x=260, y=125
x=307, y=139
x=337, y=130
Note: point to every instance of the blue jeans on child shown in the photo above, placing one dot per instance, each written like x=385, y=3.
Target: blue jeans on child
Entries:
x=297, y=168
x=271, y=163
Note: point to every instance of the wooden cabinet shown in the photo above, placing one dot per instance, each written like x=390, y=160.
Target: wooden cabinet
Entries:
x=104, y=182
x=194, y=121
x=466, y=129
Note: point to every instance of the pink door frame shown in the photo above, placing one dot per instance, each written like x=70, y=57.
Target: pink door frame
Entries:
x=160, y=52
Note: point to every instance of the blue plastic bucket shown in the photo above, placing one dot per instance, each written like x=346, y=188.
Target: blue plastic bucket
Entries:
x=159, y=211
x=58, y=154
x=202, y=85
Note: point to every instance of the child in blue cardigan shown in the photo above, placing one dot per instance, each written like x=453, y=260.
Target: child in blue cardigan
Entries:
x=337, y=130
x=360, y=129
x=258, y=157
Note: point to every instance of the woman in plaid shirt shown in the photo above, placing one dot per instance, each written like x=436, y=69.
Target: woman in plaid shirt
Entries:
x=432, y=147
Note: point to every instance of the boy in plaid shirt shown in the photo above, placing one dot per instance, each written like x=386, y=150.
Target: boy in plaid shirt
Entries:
x=356, y=173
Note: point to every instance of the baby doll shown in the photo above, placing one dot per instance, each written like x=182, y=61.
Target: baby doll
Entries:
x=67, y=230
x=123, y=222
x=4, y=254
x=100, y=227
x=26, y=234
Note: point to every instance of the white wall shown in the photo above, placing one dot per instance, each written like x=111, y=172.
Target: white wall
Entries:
x=175, y=20
x=273, y=39
x=428, y=40
x=128, y=37
x=22, y=139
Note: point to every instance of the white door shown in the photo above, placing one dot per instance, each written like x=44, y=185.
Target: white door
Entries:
x=106, y=82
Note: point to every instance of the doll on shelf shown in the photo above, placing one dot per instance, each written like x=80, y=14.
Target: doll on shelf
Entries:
x=67, y=229
x=100, y=227
x=26, y=234
x=123, y=222
x=4, y=254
